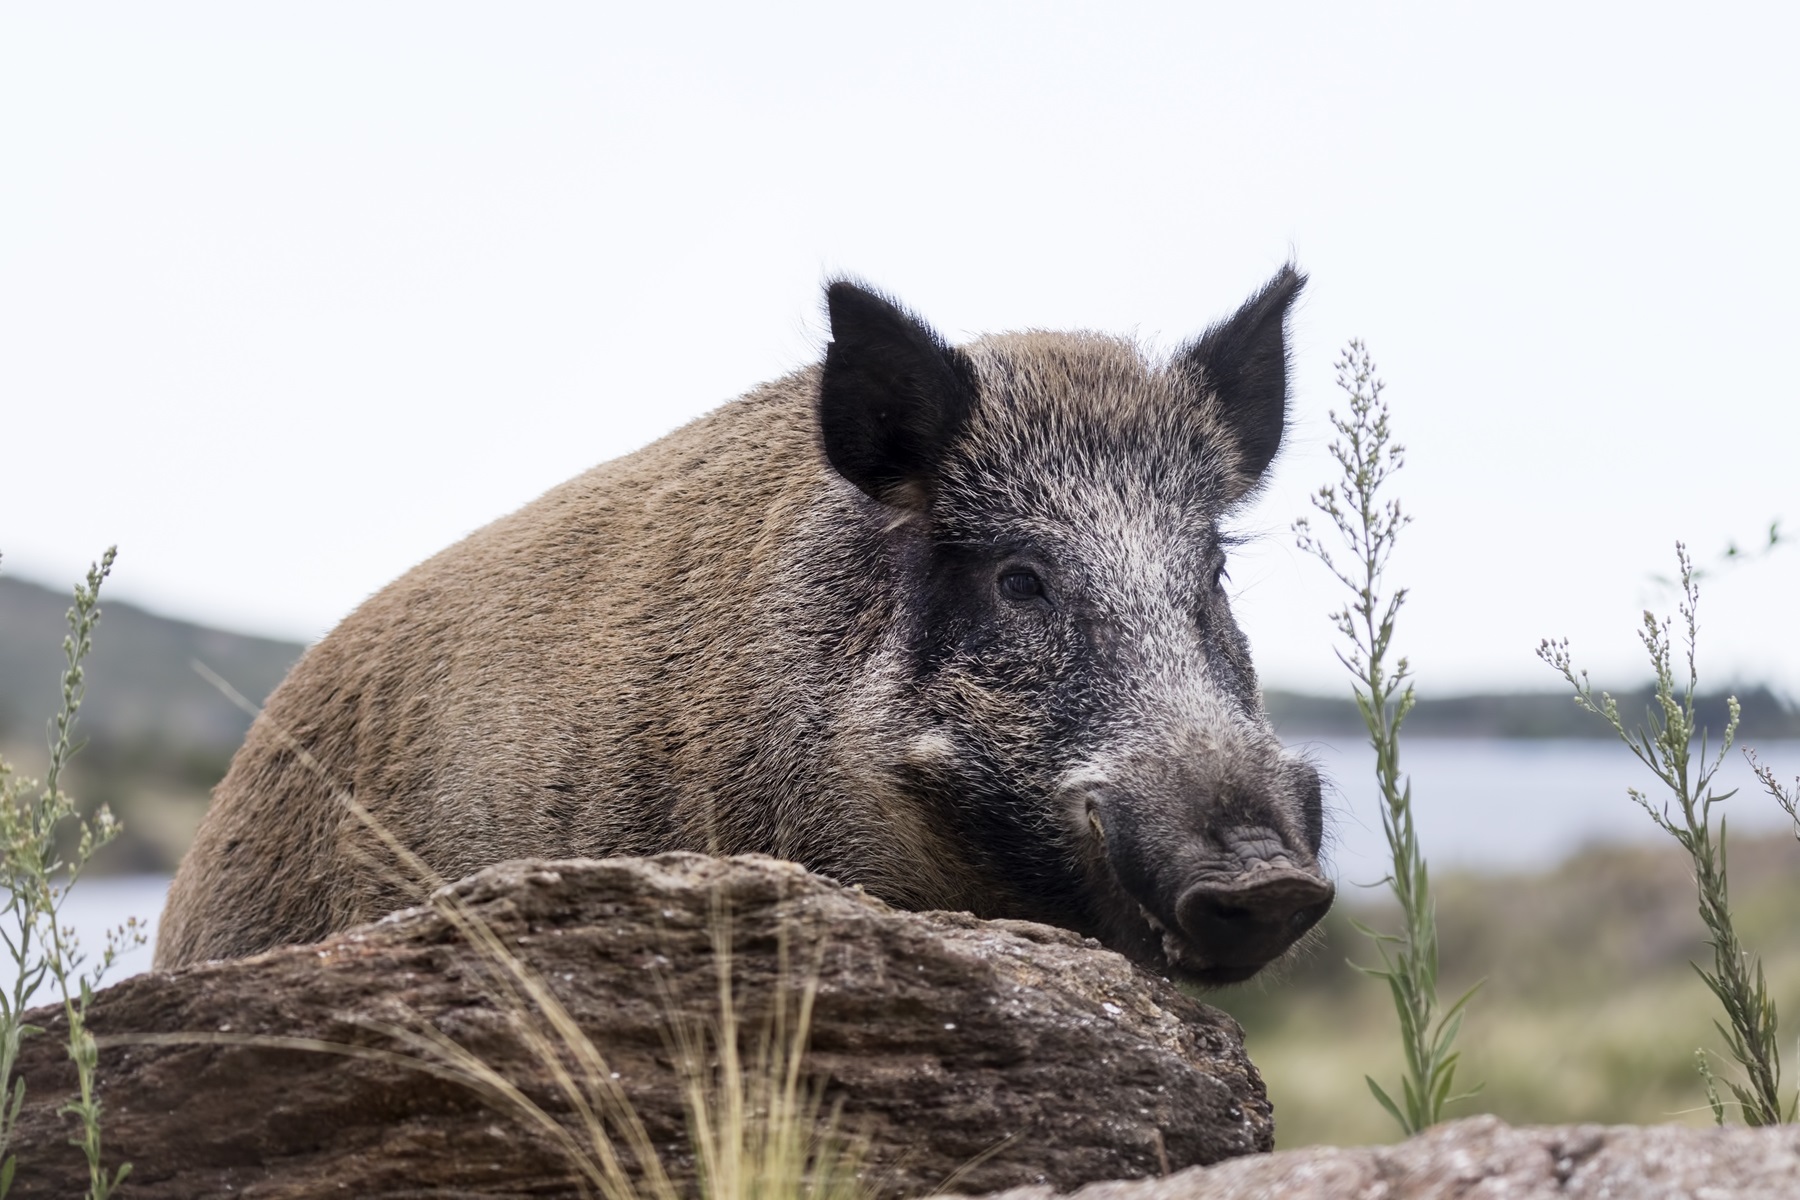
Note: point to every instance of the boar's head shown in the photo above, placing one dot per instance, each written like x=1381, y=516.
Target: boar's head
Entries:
x=1080, y=706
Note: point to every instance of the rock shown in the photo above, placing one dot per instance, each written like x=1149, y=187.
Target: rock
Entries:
x=1015, y=1053
x=1483, y=1158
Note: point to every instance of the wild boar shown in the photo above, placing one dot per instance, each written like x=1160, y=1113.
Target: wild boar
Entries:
x=948, y=623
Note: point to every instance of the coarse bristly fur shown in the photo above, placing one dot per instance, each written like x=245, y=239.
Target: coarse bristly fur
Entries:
x=948, y=623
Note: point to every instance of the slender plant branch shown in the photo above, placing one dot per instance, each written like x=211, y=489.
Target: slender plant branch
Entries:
x=1665, y=744
x=33, y=832
x=1369, y=527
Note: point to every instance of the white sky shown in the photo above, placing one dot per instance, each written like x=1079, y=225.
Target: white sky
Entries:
x=292, y=296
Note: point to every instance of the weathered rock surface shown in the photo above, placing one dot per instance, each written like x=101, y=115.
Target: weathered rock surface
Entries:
x=1483, y=1158
x=944, y=1037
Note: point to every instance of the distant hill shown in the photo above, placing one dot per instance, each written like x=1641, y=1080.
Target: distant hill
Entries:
x=158, y=735
x=1527, y=715
x=141, y=684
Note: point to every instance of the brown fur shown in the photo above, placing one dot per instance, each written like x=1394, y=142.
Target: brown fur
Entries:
x=585, y=677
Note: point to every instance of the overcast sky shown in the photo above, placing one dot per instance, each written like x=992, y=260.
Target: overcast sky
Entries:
x=292, y=296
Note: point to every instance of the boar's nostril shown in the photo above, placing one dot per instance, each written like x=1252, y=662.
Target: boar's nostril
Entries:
x=1250, y=919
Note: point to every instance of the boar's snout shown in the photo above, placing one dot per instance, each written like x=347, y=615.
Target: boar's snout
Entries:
x=1251, y=919
x=1218, y=901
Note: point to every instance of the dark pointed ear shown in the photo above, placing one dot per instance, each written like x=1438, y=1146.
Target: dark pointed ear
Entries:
x=1243, y=362
x=892, y=398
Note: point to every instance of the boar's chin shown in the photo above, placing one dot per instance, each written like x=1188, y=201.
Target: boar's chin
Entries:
x=1179, y=959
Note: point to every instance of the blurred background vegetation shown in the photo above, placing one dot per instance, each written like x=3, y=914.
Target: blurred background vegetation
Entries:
x=1590, y=1011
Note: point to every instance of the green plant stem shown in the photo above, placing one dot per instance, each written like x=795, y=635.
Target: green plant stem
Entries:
x=1369, y=527
x=1663, y=744
x=38, y=879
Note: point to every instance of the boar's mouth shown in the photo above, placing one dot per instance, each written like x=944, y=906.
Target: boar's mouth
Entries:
x=1208, y=910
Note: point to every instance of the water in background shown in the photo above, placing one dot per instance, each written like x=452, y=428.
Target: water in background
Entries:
x=1515, y=805
x=95, y=905
x=1480, y=803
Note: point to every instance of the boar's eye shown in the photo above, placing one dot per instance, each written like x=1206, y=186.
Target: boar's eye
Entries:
x=1219, y=576
x=1020, y=584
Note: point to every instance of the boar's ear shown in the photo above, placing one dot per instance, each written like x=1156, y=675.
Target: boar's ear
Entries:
x=892, y=397
x=1243, y=362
